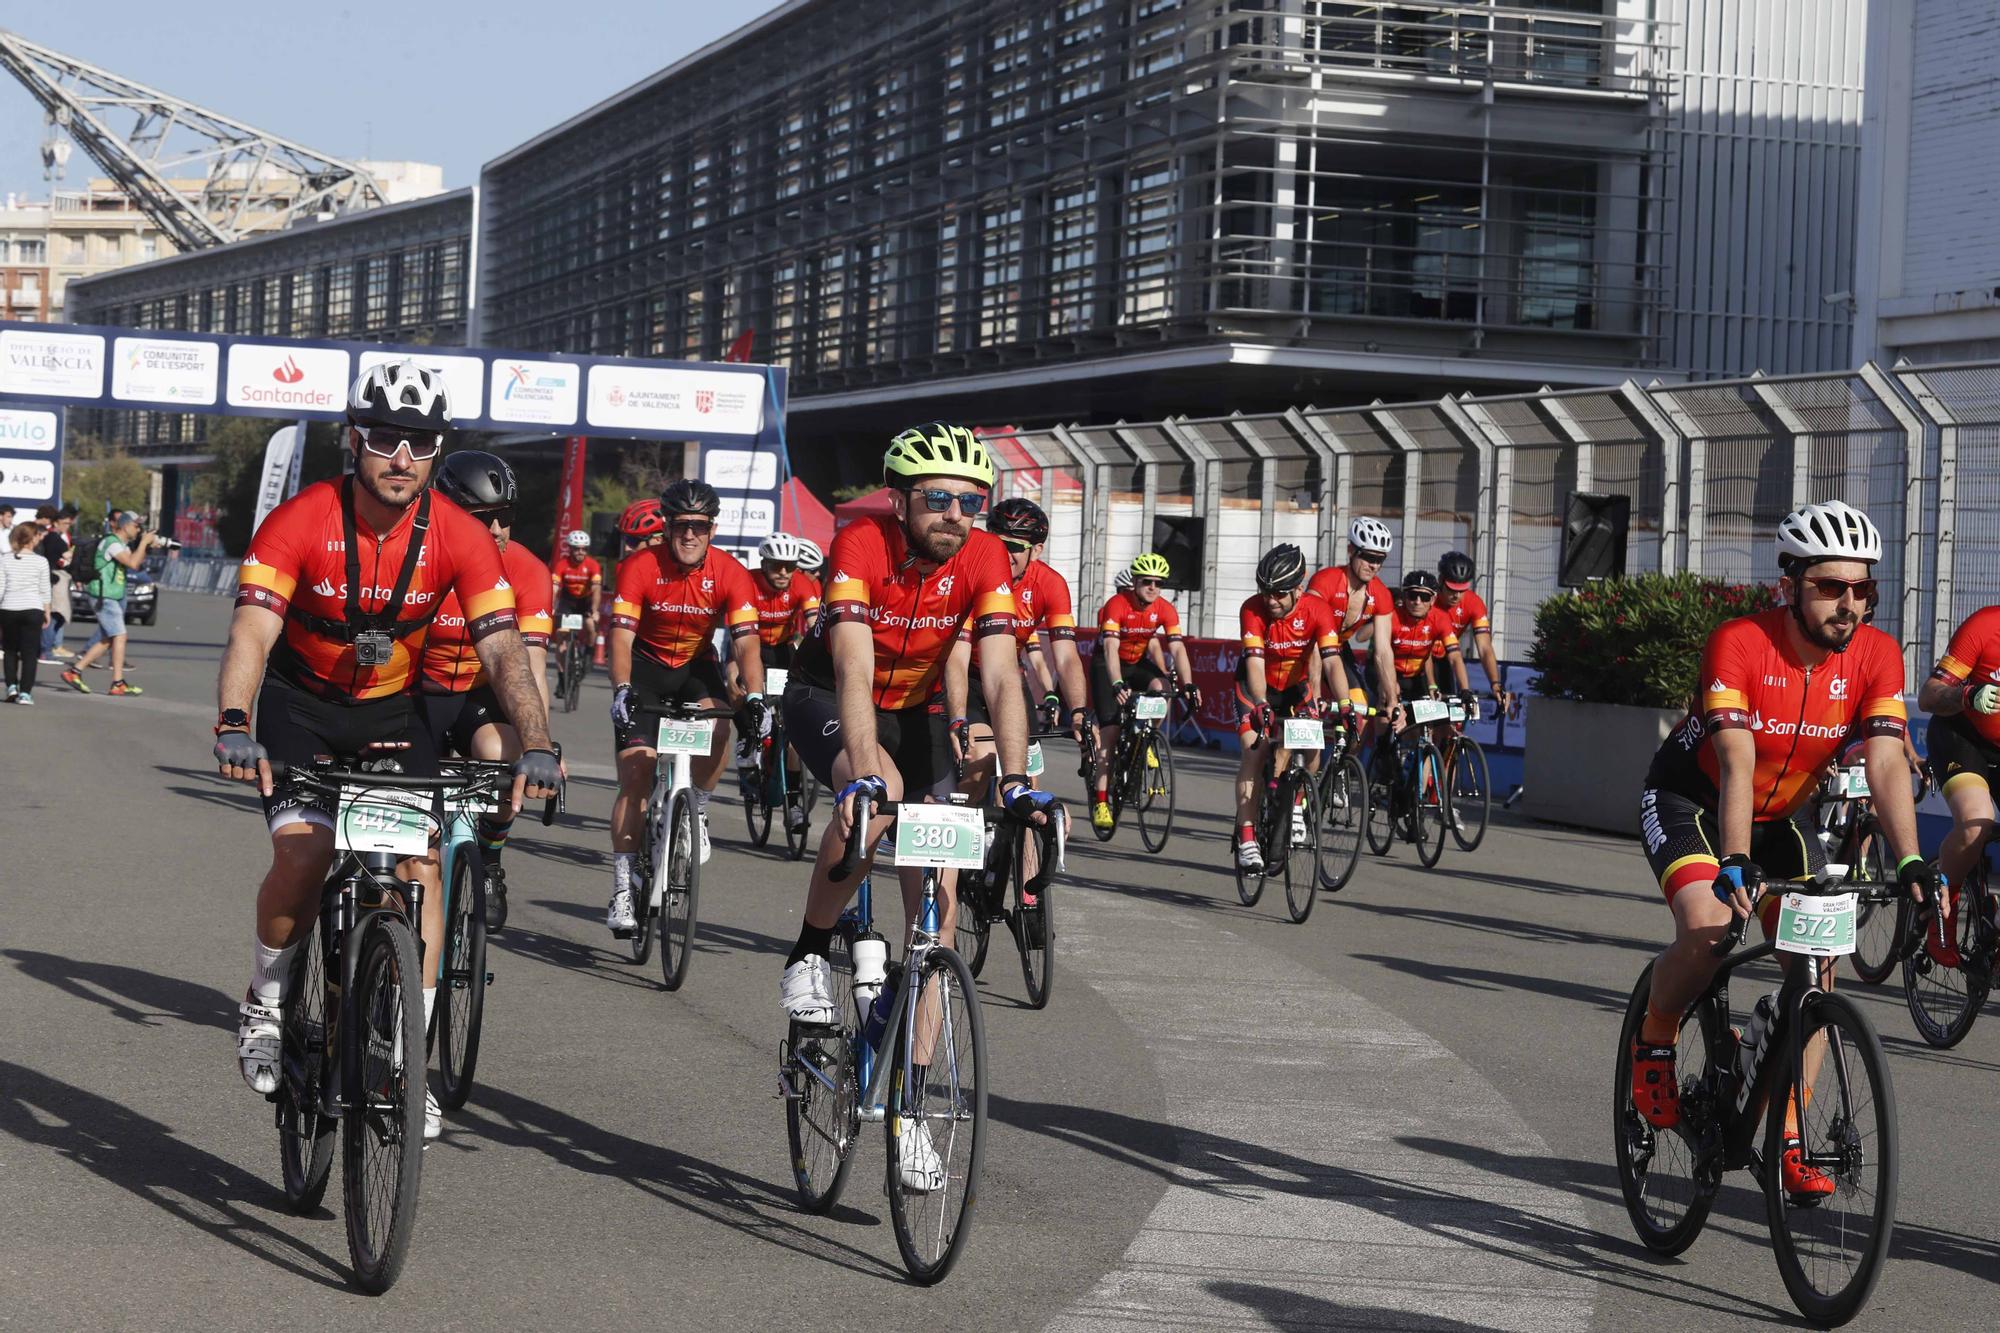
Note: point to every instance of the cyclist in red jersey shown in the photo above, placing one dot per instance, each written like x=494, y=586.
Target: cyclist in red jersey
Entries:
x=1124, y=664
x=1964, y=743
x=788, y=603
x=1290, y=662
x=578, y=584
x=669, y=601
x=1358, y=593
x=1470, y=620
x=1781, y=692
x=459, y=705
x=1420, y=636
x=338, y=589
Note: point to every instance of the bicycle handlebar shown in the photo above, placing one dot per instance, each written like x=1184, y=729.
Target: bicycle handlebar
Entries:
x=857, y=837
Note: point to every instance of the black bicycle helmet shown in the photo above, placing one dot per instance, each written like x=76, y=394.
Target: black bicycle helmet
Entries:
x=1023, y=520
x=474, y=479
x=1420, y=580
x=1282, y=569
x=1455, y=568
x=685, y=495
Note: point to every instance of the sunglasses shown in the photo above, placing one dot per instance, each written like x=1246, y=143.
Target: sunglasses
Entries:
x=1370, y=557
x=384, y=441
x=694, y=527
x=1418, y=594
x=501, y=514
x=1146, y=583
x=1832, y=589
x=940, y=502
x=1016, y=544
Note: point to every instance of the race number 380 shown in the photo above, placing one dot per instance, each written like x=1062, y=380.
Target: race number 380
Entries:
x=945, y=836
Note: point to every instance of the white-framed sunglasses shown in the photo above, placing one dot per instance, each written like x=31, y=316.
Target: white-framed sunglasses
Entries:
x=384, y=441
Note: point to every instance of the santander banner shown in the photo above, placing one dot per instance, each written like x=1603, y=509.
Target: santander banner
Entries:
x=287, y=379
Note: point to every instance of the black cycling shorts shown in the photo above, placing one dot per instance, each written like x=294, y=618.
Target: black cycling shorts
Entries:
x=1141, y=676
x=1361, y=675
x=1285, y=703
x=296, y=727
x=655, y=686
x=1679, y=838
x=778, y=655
x=1958, y=753
x=567, y=605
x=452, y=719
x=917, y=740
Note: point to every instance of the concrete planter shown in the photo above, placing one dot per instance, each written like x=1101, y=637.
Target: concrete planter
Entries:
x=1586, y=763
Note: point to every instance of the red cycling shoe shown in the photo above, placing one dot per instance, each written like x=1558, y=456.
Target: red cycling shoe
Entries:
x=1655, y=1090
x=1805, y=1184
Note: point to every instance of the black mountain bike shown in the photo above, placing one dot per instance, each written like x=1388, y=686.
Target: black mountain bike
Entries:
x=1288, y=819
x=1830, y=1248
x=1468, y=783
x=768, y=789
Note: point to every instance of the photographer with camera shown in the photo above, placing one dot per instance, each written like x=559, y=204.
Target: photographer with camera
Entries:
x=102, y=574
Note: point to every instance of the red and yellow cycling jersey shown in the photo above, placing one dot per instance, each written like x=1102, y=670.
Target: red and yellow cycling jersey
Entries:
x=451, y=663
x=1470, y=616
x=1134, y=625
x=1416, y=640
x=914, y=616
x=1356, y=606
x=675, y=610
x=1799, y=716
x=1042, y=596
x=1287, y=643
x=783, y=616
x=576, y=576
x=1974, y=656
x=297, y=569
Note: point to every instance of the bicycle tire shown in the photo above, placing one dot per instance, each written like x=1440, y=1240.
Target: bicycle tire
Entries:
x=1853, y=1057
x=579, y=666
x=461, y=996
x=1944, y=999
x=1301, y=855
x=973, y=929
x=382, y=1147
x=797, y=839
x=1343, y=811
x=1429, y=815
x=305, y=1134
x=809, y=790
x=1379, y=827
x=1250, y=883
x=645, y=865
x=1881, y=913
x=757, y=808
x=1467, y=758
x=1034, y=930
x=928, y=1250
x=1669, y=1206
x=680, y=905
x=824, y=1121
x=1156, y=785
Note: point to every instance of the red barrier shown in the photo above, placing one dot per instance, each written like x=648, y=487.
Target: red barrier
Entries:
x=1214, y=663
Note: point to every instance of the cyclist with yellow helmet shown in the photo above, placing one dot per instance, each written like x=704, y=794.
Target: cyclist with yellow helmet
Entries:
x=1122, y=665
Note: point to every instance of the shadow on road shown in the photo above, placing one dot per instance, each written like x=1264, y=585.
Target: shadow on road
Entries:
x=1282, y=1308
x=1534, y=932
x=120, y=1146
x=1474, y=978
x=130, y=993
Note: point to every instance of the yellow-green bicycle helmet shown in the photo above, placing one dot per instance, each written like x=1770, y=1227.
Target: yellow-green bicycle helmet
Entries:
x=1151, y=566
x=936, y=449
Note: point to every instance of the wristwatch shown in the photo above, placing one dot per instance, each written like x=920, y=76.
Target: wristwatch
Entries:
x=232, y=719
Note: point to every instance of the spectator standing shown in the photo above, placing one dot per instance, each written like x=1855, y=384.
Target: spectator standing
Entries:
x=56, y=547
x=24, y=610
x=124, y=547
x=7, y=523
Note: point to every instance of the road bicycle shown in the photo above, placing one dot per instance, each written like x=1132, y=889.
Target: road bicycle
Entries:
x=767, y=790
x=1811, y=1057
x=1468, y=784
x=1857, y=852
x=1948, y=960
x=1142, y=770
x=1003, y=892
x=572, y=662
x=1343, y=799
x=1288, y=818
x=1406, y=796
x=916, y=1067
x=666, y=871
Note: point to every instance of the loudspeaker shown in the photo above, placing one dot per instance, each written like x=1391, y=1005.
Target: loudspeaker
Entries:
x=1179, y=540
x=1593, y=538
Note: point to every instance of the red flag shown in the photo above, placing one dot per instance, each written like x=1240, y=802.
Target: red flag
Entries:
x=569, y=508
x=739, y=350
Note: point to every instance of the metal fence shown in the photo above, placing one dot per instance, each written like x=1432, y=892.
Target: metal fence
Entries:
x=1710, y=468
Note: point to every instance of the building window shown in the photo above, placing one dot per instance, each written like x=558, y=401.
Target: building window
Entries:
x=1000, y=275
x=1151, y=231
x=880, y=292
x=340, y=301
x=451, y=282
x=830, y=310
x=374, y=312
x=149, y=247
x=1394, y=249
x=948, y=284
x=1558, y=227
x=413, y=289
x=785, y=314
x=31, y=252
x=1071, y=246
x=305, y=305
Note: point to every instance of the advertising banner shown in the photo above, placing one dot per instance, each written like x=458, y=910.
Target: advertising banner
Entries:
x=31, y=453
x=569, y=503
x=50, y=361
x=279, y=454
x=534, y=393
x=165, y=370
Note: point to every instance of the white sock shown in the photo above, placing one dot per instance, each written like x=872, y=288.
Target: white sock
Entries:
x=430, y=1003
x=269, y=970
x=621, y=872
x=701, y=802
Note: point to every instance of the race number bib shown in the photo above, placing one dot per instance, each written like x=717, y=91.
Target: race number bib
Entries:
x=1424, y=711
x=1034, y=769
x=398, y=823
x=1304, y=733
x=685, y=736
x=774, y=681
x=1820, y=927
x=949, y=837
x=572, y=622
x=1850, y=782
x=1150, y=707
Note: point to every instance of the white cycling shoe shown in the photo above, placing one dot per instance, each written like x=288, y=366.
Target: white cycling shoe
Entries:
x=702, y=819
x=259, y=1044
x=619, y=915
x=1249, y=856
x=917, y=1161
x=795, y=818
x=807, y=991
x=433, y=1116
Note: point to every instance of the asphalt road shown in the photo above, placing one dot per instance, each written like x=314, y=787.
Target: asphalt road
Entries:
x=1394, y=1116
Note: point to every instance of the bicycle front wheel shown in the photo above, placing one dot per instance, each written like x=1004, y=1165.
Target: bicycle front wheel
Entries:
x=1155, y=785
x=1343, y=799
x=461, y=999
x=1831, y=1247
x=822, y=1091
x=680, y=903
x=382, y=1149
x=1666, y=1195
x=305, y=1135
x=1882, y=916
x=1298, y=843
x=757, y=808
x=573, y=677
x=1034, y=932
x=1429, y=813
x=937, y=1116
x=1380, y=825
x=1946, y=978
x=1470, y=790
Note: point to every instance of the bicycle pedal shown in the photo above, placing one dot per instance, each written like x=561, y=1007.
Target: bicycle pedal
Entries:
x=623, y=934
x=489, y=978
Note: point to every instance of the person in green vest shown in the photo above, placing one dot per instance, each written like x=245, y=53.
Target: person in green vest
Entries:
x=123, y=548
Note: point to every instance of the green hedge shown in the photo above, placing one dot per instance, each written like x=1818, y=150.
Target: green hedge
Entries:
x=1637, y=640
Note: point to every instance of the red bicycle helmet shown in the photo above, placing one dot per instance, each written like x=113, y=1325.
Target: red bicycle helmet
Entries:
x=642, y=518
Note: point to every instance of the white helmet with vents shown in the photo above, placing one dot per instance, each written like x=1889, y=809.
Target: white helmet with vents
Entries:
x=780, y=548
x=1372, y=535
x=1831, y=530
x=401, y=394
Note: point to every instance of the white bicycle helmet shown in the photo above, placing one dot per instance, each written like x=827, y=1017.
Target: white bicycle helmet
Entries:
x=400, y=394
x=1832, y=530
x=780, y=547
x=1123, y=580
x=577, y=538
x=1371, y=535
x=811, y=559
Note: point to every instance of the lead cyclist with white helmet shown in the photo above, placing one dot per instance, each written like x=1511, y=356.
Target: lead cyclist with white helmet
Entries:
x=579, y=588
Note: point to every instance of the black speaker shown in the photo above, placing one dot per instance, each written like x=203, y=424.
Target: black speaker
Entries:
x=1179, y=540
x=1593, y=538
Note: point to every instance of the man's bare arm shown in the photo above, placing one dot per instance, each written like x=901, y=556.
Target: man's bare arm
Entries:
x=505, y=658
x=253, y=632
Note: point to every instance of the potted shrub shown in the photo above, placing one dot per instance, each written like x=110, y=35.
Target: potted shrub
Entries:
x=1618, y=662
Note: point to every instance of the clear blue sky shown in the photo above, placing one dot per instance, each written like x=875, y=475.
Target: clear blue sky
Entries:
x=456, y=82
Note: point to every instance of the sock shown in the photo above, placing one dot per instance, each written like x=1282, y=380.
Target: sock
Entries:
x=1658, y=1029
x=701, y=802
x=812, y=940
x=1246, y=833
x=270, y=968
x=621, y=871
x=1104, y=789
x=493, y=830
x=430, y=1003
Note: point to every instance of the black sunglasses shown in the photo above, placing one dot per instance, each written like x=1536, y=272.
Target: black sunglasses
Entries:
x=699, y=527
x=1864, y=590
x=501, y=514
x=940, y=502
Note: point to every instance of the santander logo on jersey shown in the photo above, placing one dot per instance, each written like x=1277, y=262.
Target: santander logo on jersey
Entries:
x=327, y=588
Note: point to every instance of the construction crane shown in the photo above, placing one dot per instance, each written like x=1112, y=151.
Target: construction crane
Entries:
x=154, y=146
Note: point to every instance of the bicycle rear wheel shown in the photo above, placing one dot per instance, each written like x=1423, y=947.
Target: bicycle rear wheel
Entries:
x=937, y=1116
x=1343, y=798
x=1470, y=789
x=1667, y=1196
x=797, y=838
x=1881, y=916
x=1034, y=932
x=305, y=1136
x=1945, y=981
x=1429, y=814
x=679, y=905
x=1250, y=883
x=461, y=998
x=1298, y=841
x=579, y=665
x=382, y=1150
x=1155, y=785
x=1830, y=1251
x=822, y=1091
